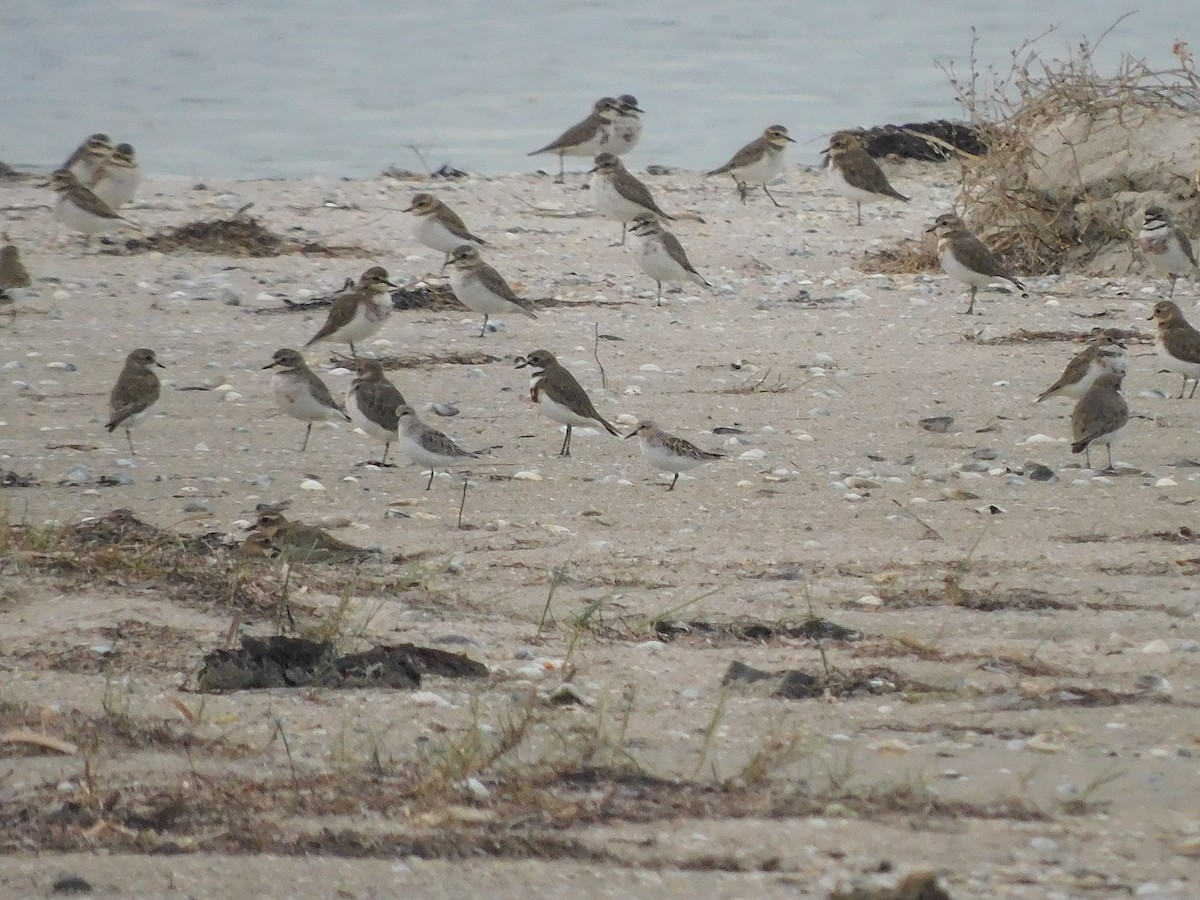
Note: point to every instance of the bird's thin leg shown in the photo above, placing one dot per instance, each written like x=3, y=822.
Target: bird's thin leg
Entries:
x=1195, y=382
x=483, y=330
x=673, y=480
x=624, y=225
x=353, y=352
x=1182, y=388
x=307, y=432
x=742, y=189
x=129, y=437
x=971, y=304
x=386, y=447
x=859, y=222
x=566, y=447
x=773, y=200
x=1111, y=468
x=430, y=484
x=560, y=179
x=1171, y=293
x=1087, y=451
x=659, y=303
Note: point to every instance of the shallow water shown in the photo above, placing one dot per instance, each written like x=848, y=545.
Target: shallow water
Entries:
x=292, y=88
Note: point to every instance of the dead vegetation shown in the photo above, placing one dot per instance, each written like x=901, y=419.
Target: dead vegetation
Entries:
x=239, y=236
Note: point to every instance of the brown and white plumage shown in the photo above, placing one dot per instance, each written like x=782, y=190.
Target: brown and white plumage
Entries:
x=668, y=452
x=136, y=390
x=659, y=254
x=619, y=194
x=1104, y=354
x=438, y=227
x=13, y=273
x=1166, y=247
x=86, y=159
x=356, y=314
x=759, y=161
x=585, y=138
x=855, y=175
x=300, y=393
x=117, y=177
x=625, y=130
x=80, y=209
x=372, y=402
x=965, y=258
x=559, y=397
x=1099, y=417
x=427, y=446
x=480, y=288
x=1177, y=343
x=299, y=542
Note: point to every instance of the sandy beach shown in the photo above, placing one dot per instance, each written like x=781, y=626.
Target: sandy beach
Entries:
x=1027, y=649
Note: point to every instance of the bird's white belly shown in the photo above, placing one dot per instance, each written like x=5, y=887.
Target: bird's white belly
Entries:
x=81, y=220
x=1183, y=367
x=117, y=186
x=838, y=183
x=653, y=259
x=959, y=272
x=556, y=412
x=476, y=296
x=431, y=233
x=762, y=171
x=297, y=401
x=361, y=420
x=610, y=201
x=664, y=460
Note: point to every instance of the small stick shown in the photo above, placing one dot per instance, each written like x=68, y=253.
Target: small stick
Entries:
x=413, y=148
x=929, y=528
x=596, y=356
x=462, y=504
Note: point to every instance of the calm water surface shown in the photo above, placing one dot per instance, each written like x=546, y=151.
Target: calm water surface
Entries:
x=292, y=88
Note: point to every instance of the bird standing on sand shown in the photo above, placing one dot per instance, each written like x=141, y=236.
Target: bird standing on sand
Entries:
x=1166, y=247
x=480, y=288
x=667, y=452
x=1177, y=343
x=438, y=227
x=619, y=195
x=427, y=446
x=586, y=138
x=372, y=402
x=759, y=161
x=965, y=258
x=136, y=390
x=356, y=314
x=1099, y=417
x=659, y=254
x=559, y=397
x=855, y=175
x=301, y=394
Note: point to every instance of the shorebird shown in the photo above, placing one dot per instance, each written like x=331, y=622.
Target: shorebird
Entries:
x=1167, y=247
x=427, y=446
x=1099, y=417
x=438, y=227
x=372, y=402
x=301, y=394
x=1104, y=354
x=1177, y=343
x=117, y=178
x=136, y=390
x=667, y=452
x=584, y=138
x=79, y=209
x=87, y=158
x=759, y=161
x=965, y=258
x=13, y=273
x=626, y=127
x=480, y=288
x=854, y=174
x=659, y=254
x=304, y=543
x=619, y=194
x=560, y=397
x=356, y=314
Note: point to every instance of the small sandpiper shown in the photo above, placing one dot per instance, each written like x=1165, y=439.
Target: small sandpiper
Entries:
x=136, y=390
x=480, y=288
x=759, y=161
x=965, y=258
x=619, y=194
x=659, y=254
x=118, y=177
x=79, y=209
x=372, y=402
x=299, y=542
x=626, y=127
x=1104, y=354
x=438, y=227
x=301, y=394
x=356, y=314
x=1178, y=344
x=13, y=273
x=427, y=446
x=559, y=396
x=586, y=138
x=1100, y=417
x=667, y=452
x=1167, y=247
x=855, y=175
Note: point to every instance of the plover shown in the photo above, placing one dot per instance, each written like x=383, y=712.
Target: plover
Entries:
x=13, y=273
x=356, y=314
x=965, y=258
x=669, y=453
x=854, y=174
x=372, y=402
x=1104, y=354
x=1167, y=247
x=480, y=288
x=136, y=390
x=659, y=254
x=559, y=396
x=438, y=227
x=626, y=128
x=619, y=194
x=301, y=394
x=79, y=209
x=1100, y=417
x=584, y=138
x=759, y=161
x=427, y=446
x=1178, y=344
x=87, y=158
x=304, y=543
x=117, y=178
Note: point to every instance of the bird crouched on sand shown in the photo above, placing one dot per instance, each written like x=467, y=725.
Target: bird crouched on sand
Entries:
x=303, y=543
